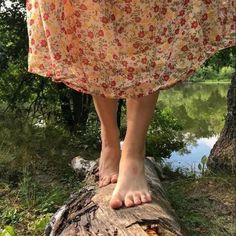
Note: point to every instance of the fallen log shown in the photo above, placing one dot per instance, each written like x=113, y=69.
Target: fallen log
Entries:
x=88, y=213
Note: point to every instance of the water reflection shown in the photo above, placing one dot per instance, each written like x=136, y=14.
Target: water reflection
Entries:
x=201, y=109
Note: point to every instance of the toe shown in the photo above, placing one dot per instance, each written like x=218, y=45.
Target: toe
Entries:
x=149, y=197
x=116, y=202
x=114, y=178
x=144, y=198
x=100, y=182
x=137, y=199
x=129, y=202
x=106, y=181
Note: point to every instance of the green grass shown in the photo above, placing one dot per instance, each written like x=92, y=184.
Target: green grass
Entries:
x=29, y=206
x=204, y=205
x=36, y=179
x=214, y=82
x=35, y=176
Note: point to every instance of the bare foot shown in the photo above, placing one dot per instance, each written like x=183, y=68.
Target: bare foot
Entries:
x=132, y=188
x=108, y=166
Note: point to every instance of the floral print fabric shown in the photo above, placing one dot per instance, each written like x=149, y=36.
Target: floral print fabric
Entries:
x=125, y=48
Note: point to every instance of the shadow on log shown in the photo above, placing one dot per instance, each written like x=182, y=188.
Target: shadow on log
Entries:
x=88, y=213
x=223, y=154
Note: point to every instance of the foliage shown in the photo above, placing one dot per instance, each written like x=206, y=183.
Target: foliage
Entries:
x=222, y=58
x=202, y=165
x=226, y=72
x=208, y=73
x=204, y=205
x=10, y=215
x=204, y=74
x=40, y=98
x=28, y=189
x=219, y=67
x=38, y=226
x=195, y=108
x=23, y=92
x=31, y=220
x=34, y=178
x=13, y=32
x=164, y=134
x=27, y=146
x=36, y=120
x=8, y=231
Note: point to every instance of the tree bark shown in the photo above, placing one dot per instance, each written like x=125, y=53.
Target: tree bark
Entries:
x=119, y=112
x=223, y=154
x=65, y=106
x=75, y=107
x=81, y=108
x=88, y=213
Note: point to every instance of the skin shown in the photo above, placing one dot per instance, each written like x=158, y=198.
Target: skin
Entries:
x=131, y=188
x=110, y=151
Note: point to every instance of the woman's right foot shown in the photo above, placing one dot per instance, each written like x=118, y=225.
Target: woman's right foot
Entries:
x=109, y=166
x=109, y=157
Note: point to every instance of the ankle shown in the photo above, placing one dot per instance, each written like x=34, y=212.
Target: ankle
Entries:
x=112, y=131
x=131, y=165
x=134, y=151
x=110, y=139
x=110, y=148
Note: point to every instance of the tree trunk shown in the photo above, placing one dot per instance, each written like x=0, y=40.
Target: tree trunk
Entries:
x=75, y=107
x=119, y=112
x=65, y=106
x=87, y=212
x=81, y=108
x=223, y=154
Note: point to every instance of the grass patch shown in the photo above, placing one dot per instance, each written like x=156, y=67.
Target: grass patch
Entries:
x=214, y=82
x=28, y=208
x=35, y=176
x=205, y=205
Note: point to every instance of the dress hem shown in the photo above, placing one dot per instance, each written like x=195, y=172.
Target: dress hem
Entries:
x=109, y=92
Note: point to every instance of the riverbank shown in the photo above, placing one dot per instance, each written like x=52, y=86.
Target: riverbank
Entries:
x=205, y=205
x=209, y=82
x=214, y=82
x=36, y=179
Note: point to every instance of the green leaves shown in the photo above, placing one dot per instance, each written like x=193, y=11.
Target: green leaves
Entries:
x=164, y=134
x=8, y=231
x=202, y=164
x=199, y=166
x=39, y=225
x=11, y=215
x=204, y=160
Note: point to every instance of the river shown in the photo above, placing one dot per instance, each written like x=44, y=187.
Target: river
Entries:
x=201, y=109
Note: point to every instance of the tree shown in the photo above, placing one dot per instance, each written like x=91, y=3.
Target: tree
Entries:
x=223, y=154
x=26, y=93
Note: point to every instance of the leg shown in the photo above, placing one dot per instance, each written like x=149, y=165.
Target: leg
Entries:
x=132, y=188
x=110, y=151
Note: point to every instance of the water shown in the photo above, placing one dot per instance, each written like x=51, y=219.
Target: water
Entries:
x=201, y=108
x=191, y=160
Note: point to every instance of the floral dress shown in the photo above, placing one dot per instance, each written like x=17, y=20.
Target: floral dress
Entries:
x=125, y=48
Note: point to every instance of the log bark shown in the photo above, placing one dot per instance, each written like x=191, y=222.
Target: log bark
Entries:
x=223, y=154
x=88, y=213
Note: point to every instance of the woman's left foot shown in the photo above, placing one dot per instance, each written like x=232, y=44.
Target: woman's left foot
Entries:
x=132, y=188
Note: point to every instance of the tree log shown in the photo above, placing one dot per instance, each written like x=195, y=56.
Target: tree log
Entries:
x=88, y=213
x=223, y=154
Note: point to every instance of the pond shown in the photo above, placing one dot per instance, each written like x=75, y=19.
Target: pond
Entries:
x=201, y=109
